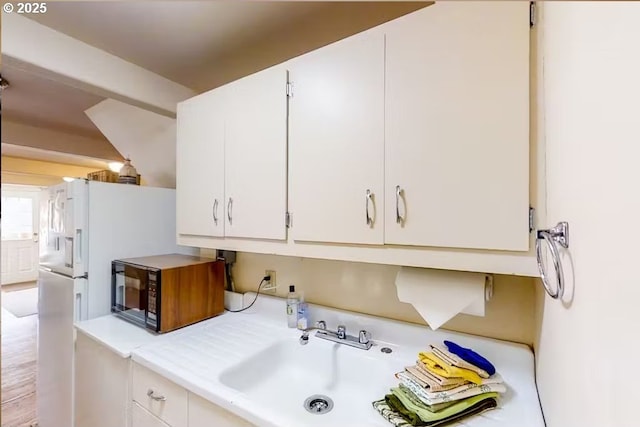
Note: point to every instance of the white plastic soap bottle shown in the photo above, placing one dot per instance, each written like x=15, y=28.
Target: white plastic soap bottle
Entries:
x=292, y=307
x=303, y=314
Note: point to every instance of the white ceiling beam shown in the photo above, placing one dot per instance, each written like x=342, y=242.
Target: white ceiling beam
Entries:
x=54, y=140
x=38, y=49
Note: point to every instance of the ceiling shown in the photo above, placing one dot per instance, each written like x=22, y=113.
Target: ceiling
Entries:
x=42, y=104
x=184, y=40
x=171, y=38
x=37, y=101
x=199, y=44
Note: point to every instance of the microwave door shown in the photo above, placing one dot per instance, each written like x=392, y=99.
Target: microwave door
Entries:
x=132, y=296
x=130, y=293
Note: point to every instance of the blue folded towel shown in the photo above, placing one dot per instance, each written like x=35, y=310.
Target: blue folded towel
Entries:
x=470, y=356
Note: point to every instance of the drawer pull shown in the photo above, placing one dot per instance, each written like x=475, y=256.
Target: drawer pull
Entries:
x=152, y=395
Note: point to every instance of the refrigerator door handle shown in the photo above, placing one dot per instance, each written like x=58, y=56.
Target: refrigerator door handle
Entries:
x=79, y=300
x=78, y=245
x=78, y=310
x=68, y=252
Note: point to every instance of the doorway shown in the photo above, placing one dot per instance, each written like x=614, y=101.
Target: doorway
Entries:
x=20, y=221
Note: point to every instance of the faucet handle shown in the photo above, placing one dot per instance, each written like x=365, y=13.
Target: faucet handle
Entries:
x=304, y=339
x=321, y=324
x=364, y=337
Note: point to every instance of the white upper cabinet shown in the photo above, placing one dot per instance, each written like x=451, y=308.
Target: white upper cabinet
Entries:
x=457, y=126
x=200, y=165
x=406, y=144
x=231, y=171
x=336, y=131
x=256, y=156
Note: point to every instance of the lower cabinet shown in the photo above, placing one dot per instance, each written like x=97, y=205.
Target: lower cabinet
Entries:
x=158, y=402
x=140, y=417
x=203, y=413
x=113, y=391
x=101, y=385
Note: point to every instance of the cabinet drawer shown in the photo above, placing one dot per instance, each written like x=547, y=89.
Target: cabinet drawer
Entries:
x=140, y=417
x=161, y=397
x=203, y=413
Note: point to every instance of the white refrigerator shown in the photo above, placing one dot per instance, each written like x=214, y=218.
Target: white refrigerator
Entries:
x=84, y=225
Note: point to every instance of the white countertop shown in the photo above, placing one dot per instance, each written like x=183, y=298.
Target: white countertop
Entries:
x=115, y=333
x=195, y=357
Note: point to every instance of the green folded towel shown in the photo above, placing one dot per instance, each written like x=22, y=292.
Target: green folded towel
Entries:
x=388, y=414
x=395, y=418
x=410, y=416
x=414, y=413
x=433, y=408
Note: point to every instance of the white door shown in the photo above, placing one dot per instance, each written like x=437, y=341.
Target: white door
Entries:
x=336, y=128
x=256, y=156
x=457, y=126
x=200, y=165
x=20, y=209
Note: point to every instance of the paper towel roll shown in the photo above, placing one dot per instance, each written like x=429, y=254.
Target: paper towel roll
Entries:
x=438, y=295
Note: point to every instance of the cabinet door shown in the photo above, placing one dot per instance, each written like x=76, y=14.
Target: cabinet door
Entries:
x=205, y=414
x=336, y=131
x=140, y=417
x=457, y=126
x=256, y=156
x=101, y=394
x=200, y=165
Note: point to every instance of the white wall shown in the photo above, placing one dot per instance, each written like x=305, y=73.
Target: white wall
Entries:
x=145, y=137
x=588, y=347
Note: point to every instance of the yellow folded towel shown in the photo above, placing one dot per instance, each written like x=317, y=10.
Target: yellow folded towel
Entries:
x=437, y=366
x=455, y=360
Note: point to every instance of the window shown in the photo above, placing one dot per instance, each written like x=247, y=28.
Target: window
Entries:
x=17, y=218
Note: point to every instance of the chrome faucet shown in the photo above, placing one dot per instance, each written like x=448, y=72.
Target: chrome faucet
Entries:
x=363, y=341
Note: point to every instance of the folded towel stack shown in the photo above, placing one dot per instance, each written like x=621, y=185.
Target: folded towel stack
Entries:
x=444, y=385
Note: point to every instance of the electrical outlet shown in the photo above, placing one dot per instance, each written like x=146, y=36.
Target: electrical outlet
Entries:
x=270, y=286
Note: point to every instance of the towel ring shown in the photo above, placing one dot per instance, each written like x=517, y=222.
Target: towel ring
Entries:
x=558, y=235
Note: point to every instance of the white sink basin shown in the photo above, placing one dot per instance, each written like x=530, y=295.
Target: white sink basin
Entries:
x=285, y=374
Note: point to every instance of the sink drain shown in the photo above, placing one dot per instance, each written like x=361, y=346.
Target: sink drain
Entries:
x=318, y=404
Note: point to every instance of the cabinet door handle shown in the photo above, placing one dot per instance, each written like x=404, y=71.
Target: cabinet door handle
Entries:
x=229, y=207
x=368, y=200
x=399, y=195
x=152, y=395
x=215, y=211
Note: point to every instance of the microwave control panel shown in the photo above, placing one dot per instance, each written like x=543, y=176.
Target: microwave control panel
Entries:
x=152, y=299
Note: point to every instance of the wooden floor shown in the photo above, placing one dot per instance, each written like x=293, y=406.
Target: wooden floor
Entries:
x=18, y=360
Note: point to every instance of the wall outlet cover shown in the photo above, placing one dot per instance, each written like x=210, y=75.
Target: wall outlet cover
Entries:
x=270, y=286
